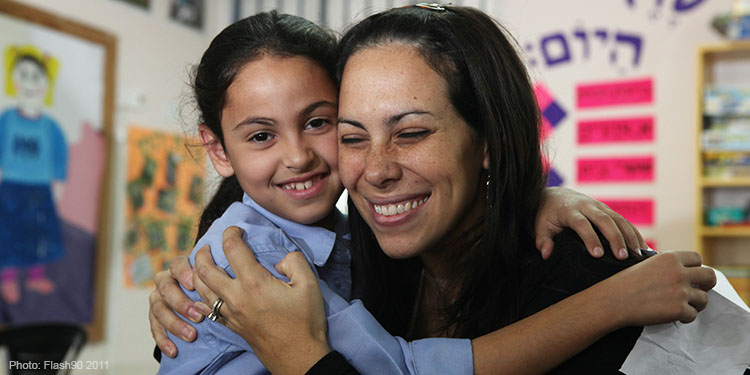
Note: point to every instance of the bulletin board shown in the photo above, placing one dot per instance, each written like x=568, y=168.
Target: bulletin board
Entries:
x=56, y=112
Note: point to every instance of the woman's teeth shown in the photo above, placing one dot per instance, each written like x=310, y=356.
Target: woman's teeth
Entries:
x=301, y=185
x=395, y=209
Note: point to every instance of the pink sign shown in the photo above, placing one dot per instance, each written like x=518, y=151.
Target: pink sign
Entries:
x=637, y=211
x=634, y=129
x=633, y=169
x=638, y=91
x=651, y=243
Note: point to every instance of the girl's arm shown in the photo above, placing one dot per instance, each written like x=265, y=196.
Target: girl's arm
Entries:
x=565, y=208
x=666, y=287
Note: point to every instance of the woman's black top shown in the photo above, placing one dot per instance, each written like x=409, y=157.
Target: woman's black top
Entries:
x=569, y=270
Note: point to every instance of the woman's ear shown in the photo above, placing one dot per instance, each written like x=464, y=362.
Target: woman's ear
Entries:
x=486, y=161
x=215, y=151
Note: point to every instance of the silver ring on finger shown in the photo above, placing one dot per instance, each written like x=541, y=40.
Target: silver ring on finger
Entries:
x=215, y=314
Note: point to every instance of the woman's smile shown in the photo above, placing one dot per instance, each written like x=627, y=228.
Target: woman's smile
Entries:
x=390, y=212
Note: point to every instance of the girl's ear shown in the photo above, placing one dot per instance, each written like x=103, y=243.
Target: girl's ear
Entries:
x=215, y=151
x=486, y=161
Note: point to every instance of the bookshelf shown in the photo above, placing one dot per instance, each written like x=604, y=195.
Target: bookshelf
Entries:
x=722, y=222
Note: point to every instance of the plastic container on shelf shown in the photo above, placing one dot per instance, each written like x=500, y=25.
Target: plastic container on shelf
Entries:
x=739, y=22
x=721, y=216
x=726, y=101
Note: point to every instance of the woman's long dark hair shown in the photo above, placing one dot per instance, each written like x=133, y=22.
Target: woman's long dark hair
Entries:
x=490, y=88
x=244, y=41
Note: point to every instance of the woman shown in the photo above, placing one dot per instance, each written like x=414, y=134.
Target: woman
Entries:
x=436, y=107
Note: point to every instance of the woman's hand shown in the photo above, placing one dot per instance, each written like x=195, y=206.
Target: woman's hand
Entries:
x=270, y=314
x=565, y=208
x=668, y=286
x=168, y=298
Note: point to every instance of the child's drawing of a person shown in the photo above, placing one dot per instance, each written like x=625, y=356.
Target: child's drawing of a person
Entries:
x=33, y=166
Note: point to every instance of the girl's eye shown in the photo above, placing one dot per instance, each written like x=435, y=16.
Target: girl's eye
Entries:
x=414, y=134
x=262, y=137
x=316, y=123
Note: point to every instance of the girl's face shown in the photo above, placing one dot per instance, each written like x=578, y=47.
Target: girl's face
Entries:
x=409, y=161
x=280, y=137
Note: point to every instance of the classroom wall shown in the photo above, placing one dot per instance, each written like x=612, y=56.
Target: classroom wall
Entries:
x=578, y=42
x=153, y=59
x=153, y=55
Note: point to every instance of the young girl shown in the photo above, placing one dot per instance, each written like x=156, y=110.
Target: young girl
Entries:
x=269, y=108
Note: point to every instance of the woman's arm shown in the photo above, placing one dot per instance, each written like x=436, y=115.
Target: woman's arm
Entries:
x=657, y=290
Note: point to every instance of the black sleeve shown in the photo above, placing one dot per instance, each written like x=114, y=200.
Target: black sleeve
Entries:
x=332, y=364
x=570, y=270
x=157, y=354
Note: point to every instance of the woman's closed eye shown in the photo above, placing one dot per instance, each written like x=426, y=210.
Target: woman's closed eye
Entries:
x=410, y=134
x=352, y=139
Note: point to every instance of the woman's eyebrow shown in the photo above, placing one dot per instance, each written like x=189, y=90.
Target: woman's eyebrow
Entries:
x=390, y=122
x=343, y=120
x=393, y=120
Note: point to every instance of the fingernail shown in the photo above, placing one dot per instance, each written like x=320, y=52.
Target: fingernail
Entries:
x=169, y=351
x=639, y=252
x=624, y=252
x=203, y=309
x=194, y=315
x=187, y=334
x=598, y=251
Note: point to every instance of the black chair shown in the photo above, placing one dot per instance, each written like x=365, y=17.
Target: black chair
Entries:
x=42, y=349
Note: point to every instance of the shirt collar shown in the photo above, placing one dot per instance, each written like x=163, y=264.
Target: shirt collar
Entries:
x=320, y=241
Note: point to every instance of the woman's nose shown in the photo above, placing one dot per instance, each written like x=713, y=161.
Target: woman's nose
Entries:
x=381, y=167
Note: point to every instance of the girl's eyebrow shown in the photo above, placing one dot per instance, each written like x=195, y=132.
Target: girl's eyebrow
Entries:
x=310, y=108
x=302, y=113
x=254, y=120
x=391, y=122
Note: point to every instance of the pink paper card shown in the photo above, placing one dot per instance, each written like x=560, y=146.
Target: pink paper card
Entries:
x=637, y=211
x=616, y=130
x=631, y=169
x=615, y=93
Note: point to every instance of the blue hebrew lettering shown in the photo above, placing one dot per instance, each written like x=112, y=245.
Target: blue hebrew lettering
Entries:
x=685, y=5
x=580, y=34
x=564, y=53
x=634, y=40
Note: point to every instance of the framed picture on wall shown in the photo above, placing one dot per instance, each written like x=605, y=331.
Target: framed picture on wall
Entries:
x=56, y=110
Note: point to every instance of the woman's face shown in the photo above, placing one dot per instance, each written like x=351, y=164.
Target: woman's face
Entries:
x=280, y=137
x=409, y=161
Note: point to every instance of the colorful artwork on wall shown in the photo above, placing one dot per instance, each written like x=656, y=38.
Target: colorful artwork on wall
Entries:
x=164, y=200
x=55, y=120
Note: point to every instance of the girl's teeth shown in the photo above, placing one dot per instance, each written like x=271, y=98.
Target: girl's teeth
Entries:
x=393, y=209
x=300, y=185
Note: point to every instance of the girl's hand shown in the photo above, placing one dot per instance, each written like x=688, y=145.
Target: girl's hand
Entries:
x=668, y=286
x=270, y=314
x=168, y=298
x=565, y=208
